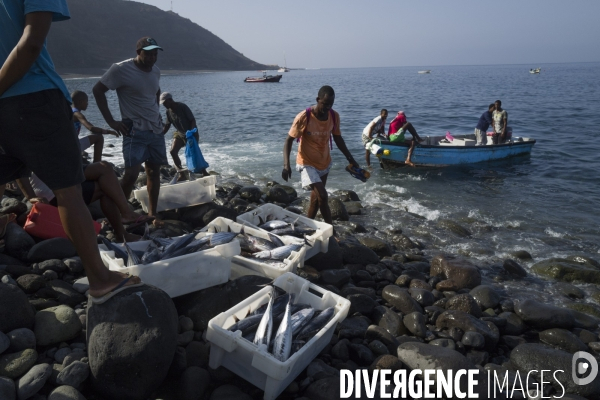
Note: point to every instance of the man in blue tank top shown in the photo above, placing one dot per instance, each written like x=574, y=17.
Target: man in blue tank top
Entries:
x=483, y=124
x=36, y=128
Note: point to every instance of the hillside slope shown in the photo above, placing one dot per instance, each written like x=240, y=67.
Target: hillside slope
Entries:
x=101, y=32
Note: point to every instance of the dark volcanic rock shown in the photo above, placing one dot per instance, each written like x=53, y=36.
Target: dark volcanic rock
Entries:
x=250, y=193
x=361, y=303
x=462, y=273
x=356, y=253
x=202, y=306
x=278, y=195
x=131, y=342
x=333, y=259
x=17, y=242
x=335, y=277
x=468, y=323
x=513, y=268
x=544, y=316
x=14, y=309
x=464, y=302
x=401, y=299
x=379, y=246
x=57, y=248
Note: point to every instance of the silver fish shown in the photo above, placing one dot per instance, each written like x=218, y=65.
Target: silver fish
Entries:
x=146, y=235
x=265, y=327
x=280, y=253
x=247, y=324
x=301, y=318
x=275, y=224
x=223, y=237
x=296, y=232
x=151, y=255
x=161, y=242
x=119, y=252
x=261, y=244
x=276, y=241
x=283, y=337
x=132, y=258
x=278, y=305
x=175, y=179
x=177, y=244
x=316, y=324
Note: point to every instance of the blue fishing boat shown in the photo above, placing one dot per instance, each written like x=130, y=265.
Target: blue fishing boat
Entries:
x=439, y=151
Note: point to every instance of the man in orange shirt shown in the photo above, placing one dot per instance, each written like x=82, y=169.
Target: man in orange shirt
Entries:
x=314, y=127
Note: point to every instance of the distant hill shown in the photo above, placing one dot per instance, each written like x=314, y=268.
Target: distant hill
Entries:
x=102, y=32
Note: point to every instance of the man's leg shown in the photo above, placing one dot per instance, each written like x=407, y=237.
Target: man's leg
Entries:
x=108, y=185
x=113, y=214
x=409, y=127
x=128, y=180
x=153, y=184
x=410, y=151
x=176, y=145
x=77, y=222
x=368, y=157
x=319, y=199
x=97, y=142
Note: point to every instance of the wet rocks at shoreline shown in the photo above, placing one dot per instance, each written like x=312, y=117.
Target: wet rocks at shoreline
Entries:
x=410, y=306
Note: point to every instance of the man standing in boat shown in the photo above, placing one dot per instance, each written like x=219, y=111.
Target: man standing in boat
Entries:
x=500, y=117
x=315, y=127
x=483, y=124
x=375, y=127
x=136, y=81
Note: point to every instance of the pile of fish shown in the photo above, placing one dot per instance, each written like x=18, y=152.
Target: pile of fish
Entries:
x=285, y=227
x=282, y=326
x=163, y=248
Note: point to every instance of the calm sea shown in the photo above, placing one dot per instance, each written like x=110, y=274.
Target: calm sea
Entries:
x=547, y=203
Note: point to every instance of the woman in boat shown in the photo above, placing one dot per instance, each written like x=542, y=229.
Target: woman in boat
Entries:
x=398, y=128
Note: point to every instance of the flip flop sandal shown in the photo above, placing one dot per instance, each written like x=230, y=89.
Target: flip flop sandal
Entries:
x=119, y=288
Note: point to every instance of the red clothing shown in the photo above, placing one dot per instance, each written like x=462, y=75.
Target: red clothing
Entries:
x=396, y=124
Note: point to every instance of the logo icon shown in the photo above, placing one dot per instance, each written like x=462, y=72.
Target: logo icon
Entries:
x=584, y=368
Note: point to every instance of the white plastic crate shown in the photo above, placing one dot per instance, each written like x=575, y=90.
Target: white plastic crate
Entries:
x=295, y=261
x=180, y=275
x=184, y=194
x=254, y=363
x=319, y=239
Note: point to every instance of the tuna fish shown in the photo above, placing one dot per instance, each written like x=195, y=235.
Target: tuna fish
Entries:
x=280, y=253
x=265, y=327
x=177, y=244
x=119, y=252
x=278, y=305
x=132, y=258
x=260, y=244
x=223, y=237
x=270, y=225
x=151, y=255
x=301, y=318
x=283, y=337
x=316, y=324
x=247, y=324
x=276, y=241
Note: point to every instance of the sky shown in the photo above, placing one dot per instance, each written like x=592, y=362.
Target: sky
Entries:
x=390, y=33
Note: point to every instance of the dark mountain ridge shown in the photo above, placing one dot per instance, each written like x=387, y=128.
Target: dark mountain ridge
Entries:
x=102, y=32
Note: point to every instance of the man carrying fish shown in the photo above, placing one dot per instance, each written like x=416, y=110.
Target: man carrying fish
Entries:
x=315, y=127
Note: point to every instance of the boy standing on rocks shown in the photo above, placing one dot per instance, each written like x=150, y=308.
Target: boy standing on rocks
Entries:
x=136, y=81
x=315, y=127
x=36, y=128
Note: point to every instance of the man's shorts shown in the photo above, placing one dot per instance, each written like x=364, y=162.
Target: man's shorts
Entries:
x=310, y=175
x=144, y=146
x=37, y=134
x=481, y=137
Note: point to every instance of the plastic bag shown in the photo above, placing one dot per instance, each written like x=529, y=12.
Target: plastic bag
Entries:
x=193, y=156
x=44, y=222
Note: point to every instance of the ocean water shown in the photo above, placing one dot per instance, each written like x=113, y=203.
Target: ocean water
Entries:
x=546, y=203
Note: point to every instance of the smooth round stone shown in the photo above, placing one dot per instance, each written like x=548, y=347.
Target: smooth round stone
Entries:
x=464, y=302
x=401, y=299
x=60, y=354
x=185, y=323
x=473, y=339
x=7, y=389
x=378, y=348
x=55, y=325
x=4, y=342
x=33, y=380
x=14, y=365
x=31, y=283
x=74, y=375
x=340, y=350
x=361, y=303
x=513, y=268
x=65, y=393
x=486, y=296
x=21, y=339
x=415, y=323
x=448, y=343
x=563, y=339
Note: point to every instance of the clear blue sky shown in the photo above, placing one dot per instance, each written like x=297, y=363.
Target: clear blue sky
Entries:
x=383, y=33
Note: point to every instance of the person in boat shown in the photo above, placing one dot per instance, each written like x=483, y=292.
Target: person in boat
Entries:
x=375, y=127
x=36, y=129
x=80, y=103
x=136, y=81
x=500, y=117
x=179, y=115
x=101, y=184
x=315, y=127
x=483, y=124
x=398, y=127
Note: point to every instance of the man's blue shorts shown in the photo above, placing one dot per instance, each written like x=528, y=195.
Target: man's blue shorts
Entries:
x=144, y=146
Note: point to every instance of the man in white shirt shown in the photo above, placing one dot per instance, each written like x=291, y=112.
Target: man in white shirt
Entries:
x=375, y=127
x=137, y=84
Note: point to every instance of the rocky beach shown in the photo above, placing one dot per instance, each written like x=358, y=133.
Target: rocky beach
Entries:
x=413, y=305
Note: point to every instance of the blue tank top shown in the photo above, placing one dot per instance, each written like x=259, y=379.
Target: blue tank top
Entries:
x=76, y=122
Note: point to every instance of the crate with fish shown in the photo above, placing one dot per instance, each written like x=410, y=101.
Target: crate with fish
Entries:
x=263, y=252
x=179, y=265
x=271, y=337
x=182, y=194
x=285, y=223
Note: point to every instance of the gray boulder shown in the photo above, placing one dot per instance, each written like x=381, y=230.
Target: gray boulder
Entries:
x=31, y=283
x=379, y=246
x=338, y=209
x=468, y=323
x=401, y=299
x=4, y=342
x=333, y=259
x=31, y=383
x=513, y=268
x=563, y=339
x=56, y=248
x=131, y=342
x=544, y=316
x=74, y=375
x=14, y=309
x=356, y=253
x=461, y=273
x=65, y=393
x=21, y=339
x=7, y=389
x=252, y=194
x=486, y=296
x=415, y=323
x=537, y=357
x=55, y=325
x=14, y=365
x=278, y=195
x=464, y=302
x=66, y=294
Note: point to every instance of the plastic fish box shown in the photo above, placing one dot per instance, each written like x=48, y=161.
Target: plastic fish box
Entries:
x=180, y=275
x=293, y=262
x=319, y=239
x=184, y=194
x=254, y=363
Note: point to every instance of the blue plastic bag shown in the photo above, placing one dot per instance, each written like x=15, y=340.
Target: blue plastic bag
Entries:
x=193, y=156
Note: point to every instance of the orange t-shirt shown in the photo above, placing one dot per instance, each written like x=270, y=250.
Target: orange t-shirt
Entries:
x=314, y=147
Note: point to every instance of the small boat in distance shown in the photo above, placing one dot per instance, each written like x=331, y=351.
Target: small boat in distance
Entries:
x=427, y=71
x=264, y=78
x=439, y=151
x=535, y=71
x=285, y=68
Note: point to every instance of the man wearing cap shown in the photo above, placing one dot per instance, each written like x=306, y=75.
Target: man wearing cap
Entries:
x=136, y=81
x=180, y=116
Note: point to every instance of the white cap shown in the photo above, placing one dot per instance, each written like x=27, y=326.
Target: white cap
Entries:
x=165, y=96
